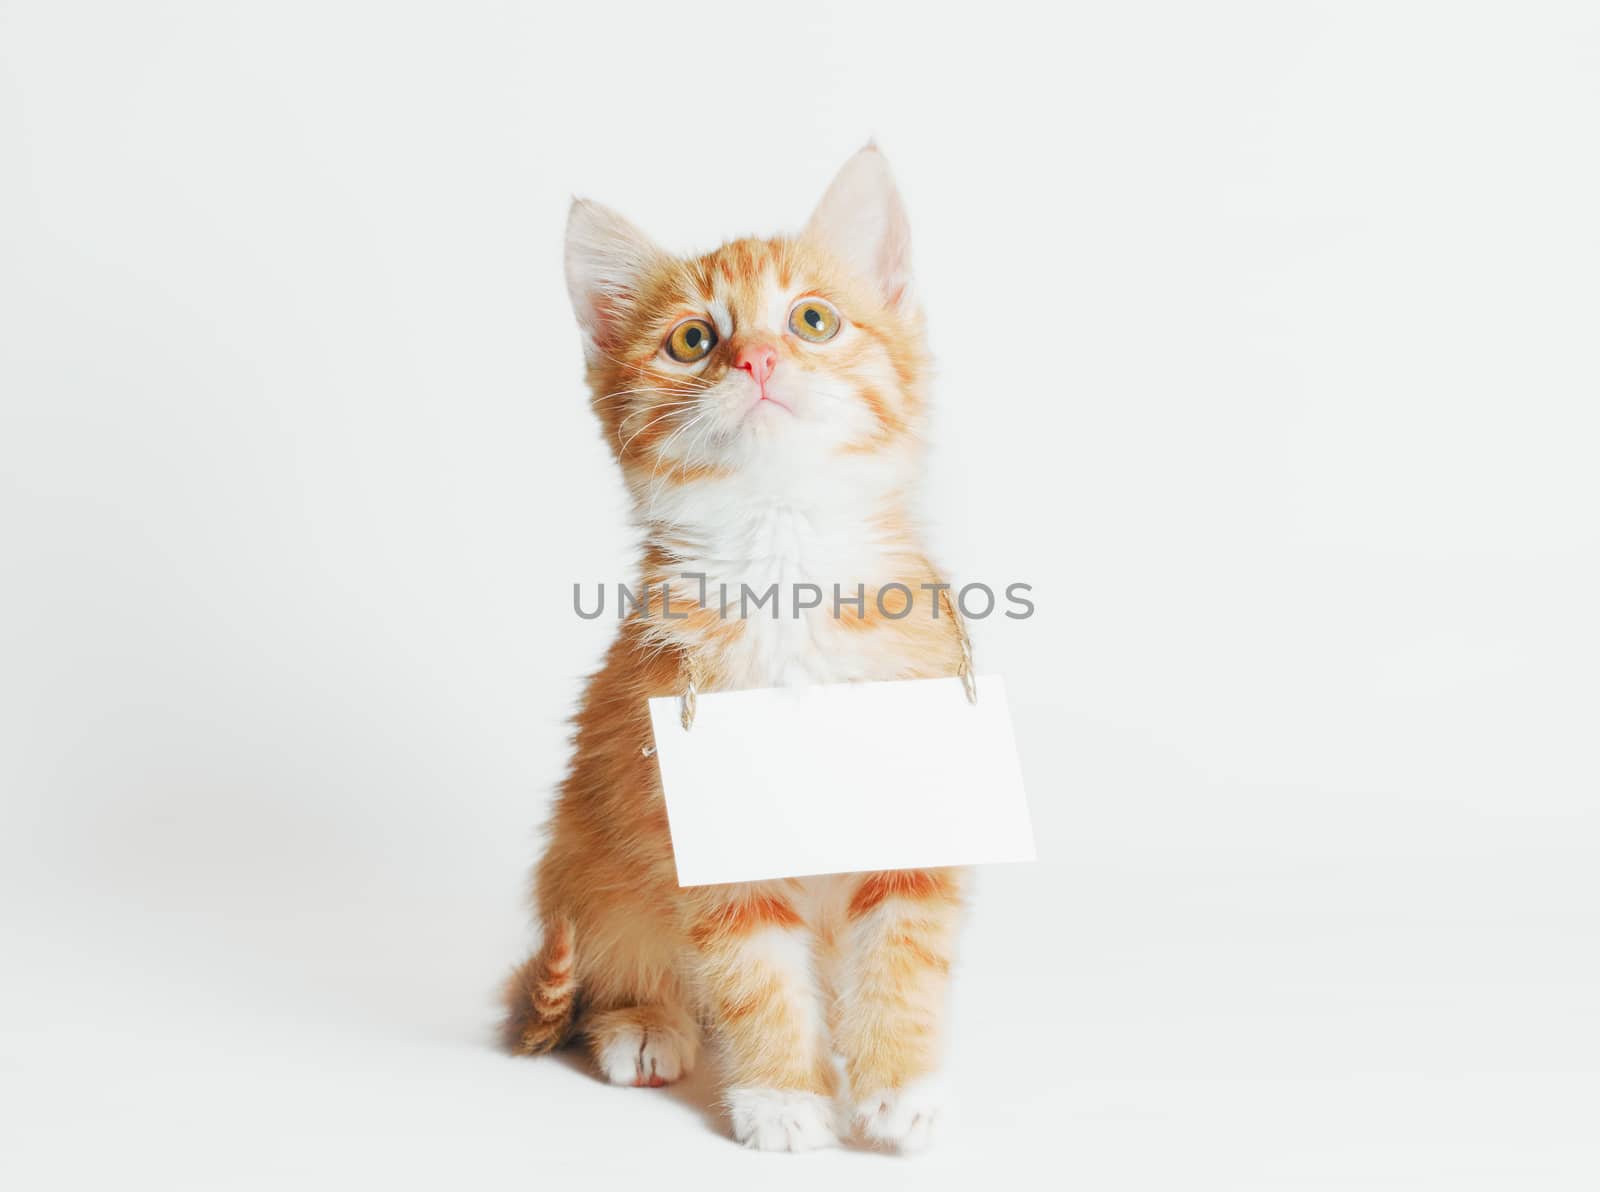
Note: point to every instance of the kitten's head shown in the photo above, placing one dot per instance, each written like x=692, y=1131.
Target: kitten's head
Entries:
x=762, y=360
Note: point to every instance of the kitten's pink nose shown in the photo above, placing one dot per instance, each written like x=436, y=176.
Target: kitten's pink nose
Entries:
x=760, y=360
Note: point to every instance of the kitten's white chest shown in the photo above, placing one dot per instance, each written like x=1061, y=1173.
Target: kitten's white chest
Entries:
x=778, y=570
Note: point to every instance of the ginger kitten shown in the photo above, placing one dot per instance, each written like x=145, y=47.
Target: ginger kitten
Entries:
x=765, y=403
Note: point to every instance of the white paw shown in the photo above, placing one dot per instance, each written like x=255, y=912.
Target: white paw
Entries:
x=644, y=1058
x=906, y=1118
x=781, y=1119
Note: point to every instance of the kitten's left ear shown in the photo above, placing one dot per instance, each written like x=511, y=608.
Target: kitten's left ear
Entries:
x=862, y=221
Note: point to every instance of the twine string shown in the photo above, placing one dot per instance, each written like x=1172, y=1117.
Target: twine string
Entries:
x=968, y=673
x=692, y=681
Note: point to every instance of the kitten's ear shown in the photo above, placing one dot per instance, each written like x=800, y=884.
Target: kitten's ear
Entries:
x=862, y=221
x=607, y=259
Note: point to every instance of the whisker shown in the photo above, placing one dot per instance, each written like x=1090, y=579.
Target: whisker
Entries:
x=669, y=405
x=659, y=484
x=646, y=391
x=689, y=425
x=636, y=390
x=657, y=410
x=669, y=414
x=682, y=465
x=687, y=379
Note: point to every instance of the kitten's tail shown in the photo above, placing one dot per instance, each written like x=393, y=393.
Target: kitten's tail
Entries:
x=542, y=994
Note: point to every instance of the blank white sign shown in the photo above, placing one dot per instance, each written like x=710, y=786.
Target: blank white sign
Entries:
x=783, y=782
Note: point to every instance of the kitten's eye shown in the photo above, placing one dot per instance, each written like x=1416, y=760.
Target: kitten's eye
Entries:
x=814, y=319
x=691, y=340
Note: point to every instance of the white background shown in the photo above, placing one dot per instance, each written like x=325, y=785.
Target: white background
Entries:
x=1267, y=342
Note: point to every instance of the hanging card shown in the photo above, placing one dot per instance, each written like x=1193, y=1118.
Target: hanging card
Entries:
x=783, y=782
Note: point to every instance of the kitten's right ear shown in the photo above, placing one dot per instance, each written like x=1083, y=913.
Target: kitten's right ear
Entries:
x=607, y=259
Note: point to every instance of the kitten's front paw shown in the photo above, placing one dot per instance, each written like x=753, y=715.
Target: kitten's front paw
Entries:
x=781, y=1119
x=906, y=1118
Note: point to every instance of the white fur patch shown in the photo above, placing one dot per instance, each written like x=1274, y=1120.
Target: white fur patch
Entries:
x=634, y=1056
x=781, y=1119
x=742, y=534
x=906, y=1118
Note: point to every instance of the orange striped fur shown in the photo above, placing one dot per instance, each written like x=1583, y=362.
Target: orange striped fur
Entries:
x=813, y=485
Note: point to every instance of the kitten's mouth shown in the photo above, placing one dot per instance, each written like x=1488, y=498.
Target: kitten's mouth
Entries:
x=765, y=399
